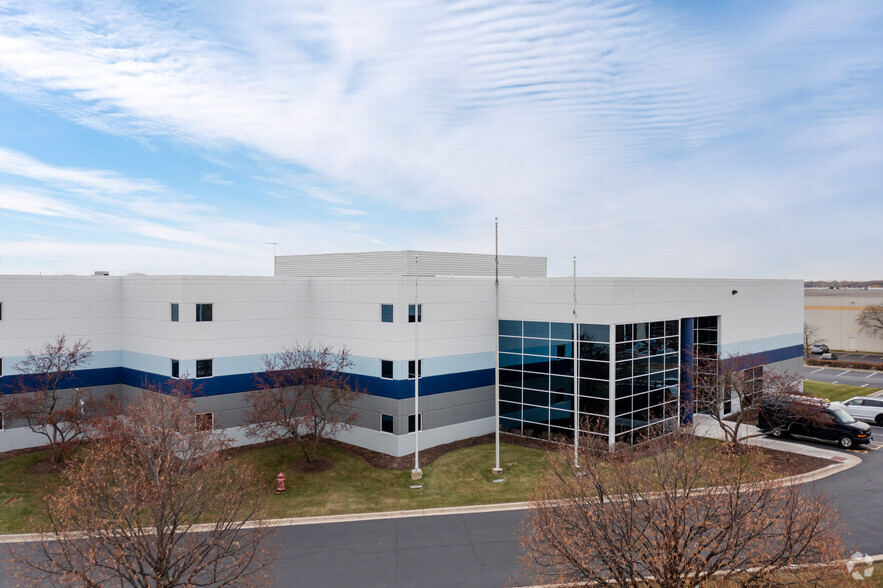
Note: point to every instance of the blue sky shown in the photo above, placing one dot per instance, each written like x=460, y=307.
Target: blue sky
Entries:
x=669, y=138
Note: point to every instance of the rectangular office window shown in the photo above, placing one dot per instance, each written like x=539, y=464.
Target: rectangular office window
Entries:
x=386, y=423
x=415, y=315
x=203, y=313
x=411, y=368
x=205, y=421
x=411, y=422
x=386, y=369
x=176, y=373
x=174, y=312
x=1, y=366
x=1, y=311
x=386, y=313
x=203, y=368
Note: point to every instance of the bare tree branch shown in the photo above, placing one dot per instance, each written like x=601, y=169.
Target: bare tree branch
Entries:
x=48, y=400
x=126, y=514
x=670, y=515
x=870, y=320
x=302, y=395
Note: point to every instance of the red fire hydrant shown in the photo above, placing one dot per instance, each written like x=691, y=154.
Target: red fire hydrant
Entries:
x=280, y=483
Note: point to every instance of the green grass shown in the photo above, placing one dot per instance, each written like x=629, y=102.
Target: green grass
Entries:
x=352, y=486
x=835, y=392
x=21, y=491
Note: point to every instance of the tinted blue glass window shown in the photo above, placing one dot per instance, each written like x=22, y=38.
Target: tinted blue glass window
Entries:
x=510, y=378
x=536, y=397
x=203, y=313
x=536, y=347
x=594, y=405
x=562, y=331
x=415, y=313
x=594, y=369
x=510, y=394
x=203, y=368
x=386, y=313
x=561, y=348
x=594, y=333
x=510, y=360
x=534, y=329
x=657, y=329
x=386, y=422
x=510, y=344
x=535, y=382
x=624, y=333
x=561, y=384
x=386, y=369
x=562, y=367
x=510, y=410
x=174, y=312
x=510, y=328
x=640, y=367
x=672, y=328
x=596, y=351
x=536, y=364
x=596, y=389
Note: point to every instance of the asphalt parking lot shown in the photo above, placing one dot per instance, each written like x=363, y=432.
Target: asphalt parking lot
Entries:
x=862, y=378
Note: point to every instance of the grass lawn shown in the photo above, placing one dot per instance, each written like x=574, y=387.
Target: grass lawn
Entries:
x=835, y=392
x=460, y=477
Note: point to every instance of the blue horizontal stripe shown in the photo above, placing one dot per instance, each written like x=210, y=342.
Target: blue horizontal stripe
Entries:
x=396, y=389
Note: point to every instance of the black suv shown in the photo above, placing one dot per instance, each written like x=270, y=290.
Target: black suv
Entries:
x=822, y=420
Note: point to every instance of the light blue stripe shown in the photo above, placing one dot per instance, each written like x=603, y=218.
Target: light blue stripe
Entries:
x=761, y=345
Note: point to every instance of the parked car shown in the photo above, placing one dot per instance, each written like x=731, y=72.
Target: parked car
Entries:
x=865, y=409
x=822, y=420
x=818, y=348
x=828, y=356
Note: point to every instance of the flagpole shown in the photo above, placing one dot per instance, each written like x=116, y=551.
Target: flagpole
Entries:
x=575, y=374
x=497, y=469
x=416, y=474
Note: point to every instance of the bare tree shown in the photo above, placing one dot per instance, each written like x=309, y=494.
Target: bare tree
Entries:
x=733, y=389
x=155, y=501
x=671, y=515
x=48, y=400
x=302, y=395
x=810, y=338
x=870, y=320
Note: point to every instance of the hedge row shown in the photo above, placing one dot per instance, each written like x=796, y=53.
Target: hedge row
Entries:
x=853, y=365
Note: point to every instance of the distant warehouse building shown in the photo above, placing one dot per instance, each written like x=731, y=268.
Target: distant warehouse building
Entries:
x=608, y=348
x=834, y=310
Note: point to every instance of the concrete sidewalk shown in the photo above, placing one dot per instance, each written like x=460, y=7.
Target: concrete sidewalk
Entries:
x=706, y=426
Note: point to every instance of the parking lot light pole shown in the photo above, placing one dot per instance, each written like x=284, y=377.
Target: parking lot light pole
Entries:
x=416, y=473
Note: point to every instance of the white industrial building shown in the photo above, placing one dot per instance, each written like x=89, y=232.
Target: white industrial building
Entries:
x=631, y=337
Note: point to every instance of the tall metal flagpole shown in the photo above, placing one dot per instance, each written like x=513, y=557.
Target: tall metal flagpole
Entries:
x=575, y=374
x=497, y=469
x=416, y=474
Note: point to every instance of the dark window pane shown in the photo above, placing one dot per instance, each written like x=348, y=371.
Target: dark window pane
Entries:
x=560, y=401
x=623, y=388
x=176, y=369
x=641, y=331
x=672, y=328
x=510, y=394
x=203, y=313
x=411, y=422
x=640, y=367
x=598, y=351
x=657, y=380
x=596, y=389
x=386, y=313
x=671, y=345
x=623, y=333
x=594, y=405
x=510, y=360
x=706, y=322
x=594, y=369
x=510, y=344
x=657, y=364
x=510, y=328
x=641, y=384
x=510, y=410
x=671, y=361
x=203, y=368
x=641, y=349
x=415, y=316
x=640, y=401
x=536, y=347
x=562, y=367
x=536, y=381
x=623, y=406
x=623, y=369
x=657, y=329
x=175, y=312
x=535, y=329
x=386, y=369
x=562, y=331
x=594, y=333
x=561, y=383
x=535, y=414
x=386, y=423
x=510, y=378
x=657, y=346
x=411, y=368
x=623, y=351
x=671, y=378
x=561, y=349
x=536, y=364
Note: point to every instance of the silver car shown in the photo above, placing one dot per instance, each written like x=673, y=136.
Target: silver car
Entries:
x=864, y=408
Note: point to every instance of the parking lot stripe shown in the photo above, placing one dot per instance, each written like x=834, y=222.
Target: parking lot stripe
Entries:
x=869, y=375
x=844, y=373
x=818, y=370
x=863, y=385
